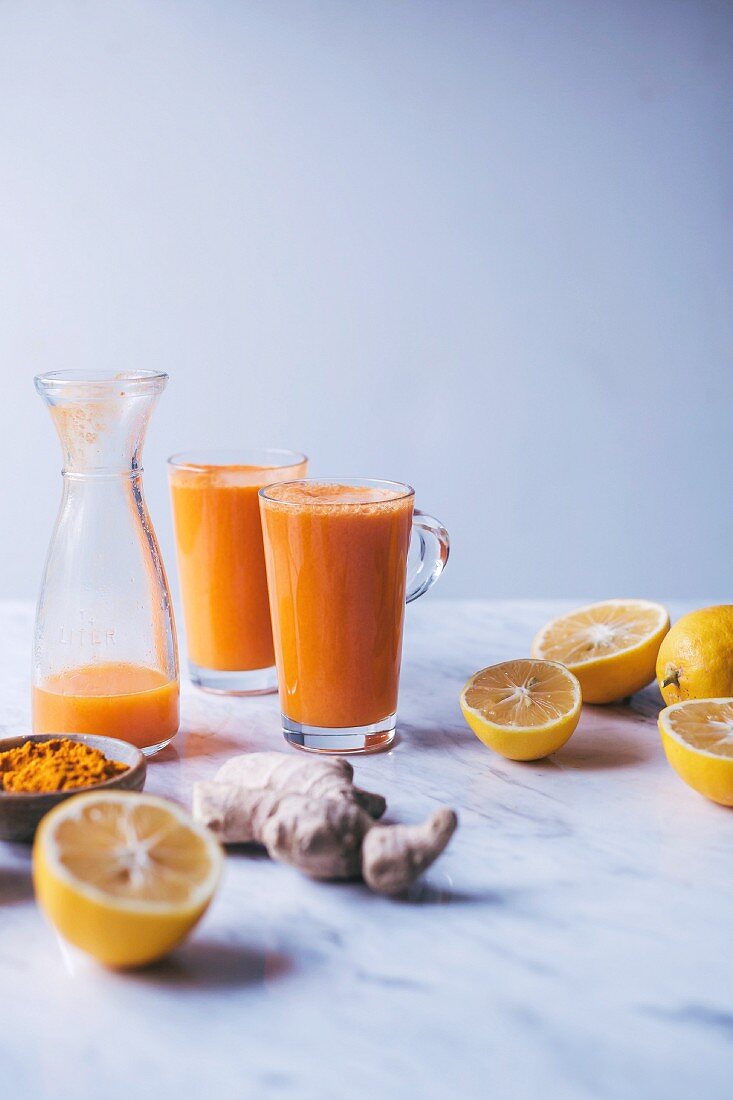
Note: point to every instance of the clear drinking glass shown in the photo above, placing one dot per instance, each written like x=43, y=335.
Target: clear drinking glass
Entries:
x=336, y=554
x=221, y=563
x=104, y=658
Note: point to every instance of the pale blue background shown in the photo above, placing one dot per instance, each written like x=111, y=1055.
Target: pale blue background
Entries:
x=483, y=247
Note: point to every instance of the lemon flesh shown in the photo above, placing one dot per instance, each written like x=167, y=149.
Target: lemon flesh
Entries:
x=695, y=660
x=611, y=646
x=124, y=876
x=522, y=709
x=697, y=736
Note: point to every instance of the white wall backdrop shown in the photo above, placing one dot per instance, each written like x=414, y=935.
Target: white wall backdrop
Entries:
x=483, y=247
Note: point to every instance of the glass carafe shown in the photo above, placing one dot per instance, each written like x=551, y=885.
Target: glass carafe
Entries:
x=104, y=659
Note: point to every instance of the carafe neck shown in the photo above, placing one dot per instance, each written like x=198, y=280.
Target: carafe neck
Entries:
x=101, y=419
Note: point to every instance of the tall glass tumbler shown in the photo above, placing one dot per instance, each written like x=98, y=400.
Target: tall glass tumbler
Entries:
x=336, y=554
x=221, y=563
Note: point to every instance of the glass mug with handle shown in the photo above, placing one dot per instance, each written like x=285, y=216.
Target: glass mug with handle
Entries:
x=336, y=553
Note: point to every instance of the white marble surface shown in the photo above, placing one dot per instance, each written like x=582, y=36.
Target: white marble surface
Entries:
x=574, y=941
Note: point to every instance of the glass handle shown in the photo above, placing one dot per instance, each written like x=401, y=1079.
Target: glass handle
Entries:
x=434, y=550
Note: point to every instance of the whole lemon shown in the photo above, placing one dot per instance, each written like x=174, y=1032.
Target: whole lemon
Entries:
x=695, y=660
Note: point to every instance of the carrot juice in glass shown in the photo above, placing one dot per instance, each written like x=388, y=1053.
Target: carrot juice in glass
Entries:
x=337, y=570
x=221, y=564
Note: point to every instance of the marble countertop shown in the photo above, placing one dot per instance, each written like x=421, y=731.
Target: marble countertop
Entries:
x=574, y=940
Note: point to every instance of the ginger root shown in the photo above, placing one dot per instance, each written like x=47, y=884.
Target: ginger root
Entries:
x=393, y=856
x=274, y=771
x=308, y=813
x=320, y=836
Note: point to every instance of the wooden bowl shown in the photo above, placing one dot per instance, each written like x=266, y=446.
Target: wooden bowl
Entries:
x=20, y=812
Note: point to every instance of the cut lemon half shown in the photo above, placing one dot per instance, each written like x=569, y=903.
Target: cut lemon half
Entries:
x=611, y=647
x=522, y=709
x=697, y=736
x=124, y=876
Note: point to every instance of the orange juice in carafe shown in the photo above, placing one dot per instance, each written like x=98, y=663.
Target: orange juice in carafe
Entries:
x=131, y=702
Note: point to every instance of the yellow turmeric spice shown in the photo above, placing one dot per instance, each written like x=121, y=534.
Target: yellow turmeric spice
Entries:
x=56, y=765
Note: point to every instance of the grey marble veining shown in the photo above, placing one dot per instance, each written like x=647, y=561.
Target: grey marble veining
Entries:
x=572, y=942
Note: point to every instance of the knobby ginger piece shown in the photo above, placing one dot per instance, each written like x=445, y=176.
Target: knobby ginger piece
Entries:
x=275, y=771
x=309, y=814
x=320, y=836
x=393, y=856
x=235, y=815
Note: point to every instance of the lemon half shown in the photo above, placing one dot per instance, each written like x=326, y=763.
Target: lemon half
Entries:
x=124, y=876
x=522, y=709
x=611, y=646
x=697, y=736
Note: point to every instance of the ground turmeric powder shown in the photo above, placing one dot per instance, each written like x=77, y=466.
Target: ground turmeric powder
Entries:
x=56, y=765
